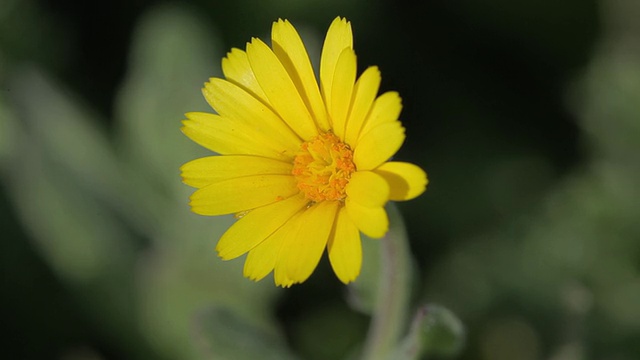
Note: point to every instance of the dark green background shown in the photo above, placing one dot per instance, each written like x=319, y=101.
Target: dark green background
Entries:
x=524, y=114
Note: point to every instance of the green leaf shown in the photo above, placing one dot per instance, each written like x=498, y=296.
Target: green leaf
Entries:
x=60, y=172
x=182, y=274
x=435, y=330
x=225, y=335
x=68, y=222
x=66, y=131
x=173, y=53
x=8, y=132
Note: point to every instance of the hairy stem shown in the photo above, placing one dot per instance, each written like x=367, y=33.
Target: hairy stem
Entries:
x=392, y=299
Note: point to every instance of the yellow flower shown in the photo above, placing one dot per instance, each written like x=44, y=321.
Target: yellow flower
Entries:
x=302, y=166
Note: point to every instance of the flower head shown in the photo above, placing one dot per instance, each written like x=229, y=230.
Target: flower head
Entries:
x=303, y=166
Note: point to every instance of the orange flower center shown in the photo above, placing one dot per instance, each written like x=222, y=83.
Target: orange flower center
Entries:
x=323, y=167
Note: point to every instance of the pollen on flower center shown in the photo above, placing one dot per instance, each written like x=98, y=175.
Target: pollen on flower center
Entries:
x=323, y=167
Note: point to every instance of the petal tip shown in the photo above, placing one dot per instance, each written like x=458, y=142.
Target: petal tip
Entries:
x=224, y=255
x=285, y=284
x=348, y=280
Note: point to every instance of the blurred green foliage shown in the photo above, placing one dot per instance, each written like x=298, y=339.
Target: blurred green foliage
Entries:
x=525, y=114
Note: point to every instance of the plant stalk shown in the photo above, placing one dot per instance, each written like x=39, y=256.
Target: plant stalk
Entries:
x=392, y=299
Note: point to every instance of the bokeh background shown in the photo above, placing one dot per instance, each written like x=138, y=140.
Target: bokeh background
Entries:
x=525, y=114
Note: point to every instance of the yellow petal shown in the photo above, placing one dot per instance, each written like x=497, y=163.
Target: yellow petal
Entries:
x=373, y=222
x=257, y=225
x=208, y=170
x=368, y=189
x=236, y=68
x=290, y=49
x=262, y=259
x=289, y=233
x=226, y=136
x=302, y=250
x=364, y=94
x=281, y=279
x=378, y=145
x=231, y=101
x=386, y=108
x=280, y=89
x=339, y=37
x=244, y=193
x=405, y=180
x=341, y=90
x=345, y=248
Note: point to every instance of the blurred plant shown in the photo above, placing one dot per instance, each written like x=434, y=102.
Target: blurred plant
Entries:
x=557, y=281
x=106, y=214
x=112, y=222
x=436, y=331
x=563, y=281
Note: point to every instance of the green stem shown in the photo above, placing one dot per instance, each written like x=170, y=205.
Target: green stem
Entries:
x=392, y=299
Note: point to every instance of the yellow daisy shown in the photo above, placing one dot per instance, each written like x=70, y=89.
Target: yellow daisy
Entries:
x=302, y=166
